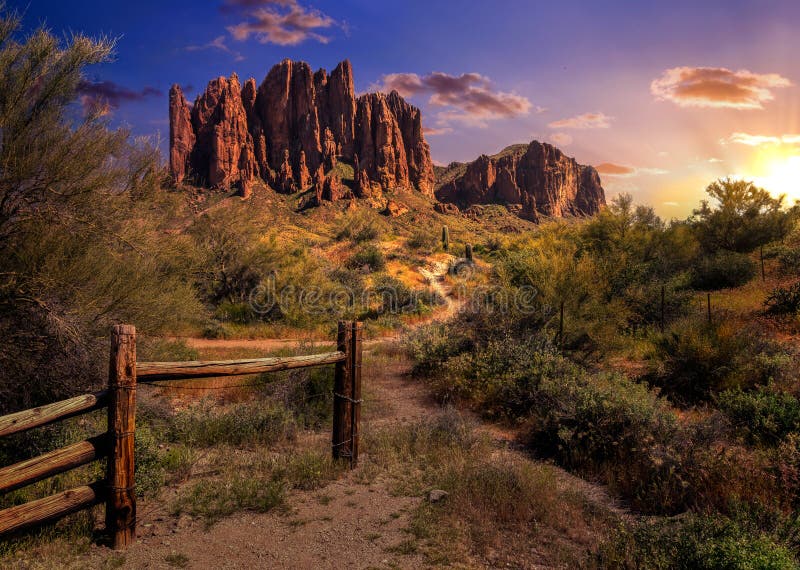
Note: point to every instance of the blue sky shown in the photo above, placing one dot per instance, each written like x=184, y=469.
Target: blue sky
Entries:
x=662, y=96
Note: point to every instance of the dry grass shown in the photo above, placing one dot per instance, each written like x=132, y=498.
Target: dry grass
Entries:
x=495, y=498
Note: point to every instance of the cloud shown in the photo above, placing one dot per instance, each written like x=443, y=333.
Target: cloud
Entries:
x=716, y=87
x=104, y=96
x=469, y=97
x=585, y=121
x=433, y=131
x=561, y=139
x=673, y=204
x=714, y=160
x=614, y=169
x=761, y=140
x=623, y=171
x=281, y=22
x=217, y=43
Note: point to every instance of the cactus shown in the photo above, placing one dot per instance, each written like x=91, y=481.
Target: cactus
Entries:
x=445, y=238
x=468, y=253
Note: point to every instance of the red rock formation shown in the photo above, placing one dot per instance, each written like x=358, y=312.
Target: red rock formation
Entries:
x=181, y=135
x=538, y=178
x=333, y=189
x=395, y=209
x=223, y=154
x=294, y=121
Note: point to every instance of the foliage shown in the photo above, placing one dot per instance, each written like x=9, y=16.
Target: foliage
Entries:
x=79, y=210
x=722, y=269
x=744, y=217
x=693, y=361
x=367, y=256
x=784, y=300
x=696, y=542
x=764, y=416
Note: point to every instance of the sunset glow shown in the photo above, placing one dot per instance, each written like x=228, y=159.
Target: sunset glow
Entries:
x=690, y=93
x=781, y=176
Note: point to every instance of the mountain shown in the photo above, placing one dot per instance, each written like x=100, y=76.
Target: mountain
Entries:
x=291, y=131
x=534, y=180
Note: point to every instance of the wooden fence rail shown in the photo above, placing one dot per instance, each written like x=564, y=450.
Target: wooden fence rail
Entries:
x=118, y=489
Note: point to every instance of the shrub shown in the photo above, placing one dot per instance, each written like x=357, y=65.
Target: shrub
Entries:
x=369, y=257
x=763, y=416
x=422, y=240
x=721, y=270
x=361, y=227
x=789, y=261
x=693, y=361
x=695, y=542
x=784, y=300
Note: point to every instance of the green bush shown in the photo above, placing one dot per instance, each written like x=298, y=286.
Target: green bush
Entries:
x=788, y=260
x=361, y=227
x=784, y=300
x=721, y=270
x=693, y=361
x=695, y=542
x=422, y=240
x=764, y=416
x=367, y=256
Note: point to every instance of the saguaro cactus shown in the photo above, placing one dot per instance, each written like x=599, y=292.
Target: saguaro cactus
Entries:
x=468, y=253
x=445, y=238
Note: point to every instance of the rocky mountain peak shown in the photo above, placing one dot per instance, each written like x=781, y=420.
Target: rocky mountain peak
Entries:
x=294, y=122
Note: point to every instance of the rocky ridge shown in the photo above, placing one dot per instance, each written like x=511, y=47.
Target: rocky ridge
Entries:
x=533, y=180
x=292, y=124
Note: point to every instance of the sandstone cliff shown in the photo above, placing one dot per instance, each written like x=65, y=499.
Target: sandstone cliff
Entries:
x=290, y=125
x=535, y=180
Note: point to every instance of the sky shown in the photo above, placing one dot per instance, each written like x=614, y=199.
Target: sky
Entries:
x=662, y=97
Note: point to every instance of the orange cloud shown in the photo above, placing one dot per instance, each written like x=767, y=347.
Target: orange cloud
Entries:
x=433, y=131
x=585, y=121
x=561, y=139
x=716, y=87
x=614, y=169
x=761, y=140
x=611, y=169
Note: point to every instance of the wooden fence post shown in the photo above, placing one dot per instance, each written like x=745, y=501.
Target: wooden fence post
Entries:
x=121, y=498
x=355, y=375
x=343, y=394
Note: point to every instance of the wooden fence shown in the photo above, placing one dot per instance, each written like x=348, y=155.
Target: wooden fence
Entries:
x=118, y=490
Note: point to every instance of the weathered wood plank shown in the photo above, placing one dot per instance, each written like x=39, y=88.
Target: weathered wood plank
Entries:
x=43, y=415
x=355, y=375
x=151, y=371
x=121, y=497
x=49, y=464
x=342, y=392
x=50, y=508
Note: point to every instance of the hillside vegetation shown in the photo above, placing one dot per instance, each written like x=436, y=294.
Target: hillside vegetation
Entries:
x=656, y=358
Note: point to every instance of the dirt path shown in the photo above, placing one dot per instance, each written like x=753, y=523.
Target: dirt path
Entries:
x=434, y=275
x=347, y=524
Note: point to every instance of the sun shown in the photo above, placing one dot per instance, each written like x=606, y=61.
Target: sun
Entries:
x=781, y=175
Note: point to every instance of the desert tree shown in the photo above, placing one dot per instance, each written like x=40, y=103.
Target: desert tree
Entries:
x=79, y=246
x=740, y=217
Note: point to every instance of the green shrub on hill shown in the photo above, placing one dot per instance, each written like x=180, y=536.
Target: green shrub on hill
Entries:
x=721, y=270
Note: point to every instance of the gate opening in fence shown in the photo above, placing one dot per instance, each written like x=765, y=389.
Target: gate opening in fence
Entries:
x=118, y=490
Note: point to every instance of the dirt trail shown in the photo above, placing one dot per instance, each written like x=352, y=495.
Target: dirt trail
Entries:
x=434, y=275
x=347, y=524
x=354, y=522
